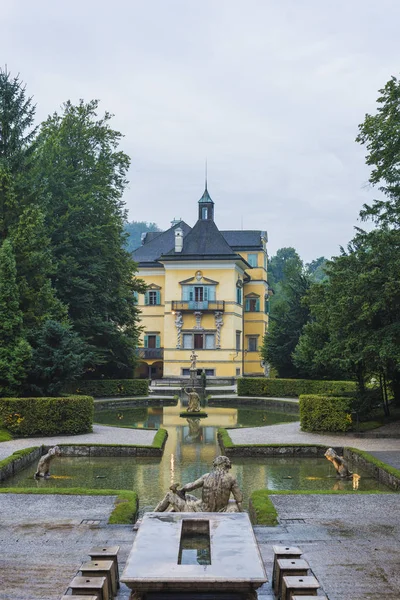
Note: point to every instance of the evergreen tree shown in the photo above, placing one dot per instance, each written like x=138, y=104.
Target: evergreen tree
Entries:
x=15, y=352
x=59, y=357
x=85, y=216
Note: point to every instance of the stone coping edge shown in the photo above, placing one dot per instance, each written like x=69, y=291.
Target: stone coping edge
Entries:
x=381, y=471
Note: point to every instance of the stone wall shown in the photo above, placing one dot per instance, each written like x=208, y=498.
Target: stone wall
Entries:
x=19, y=463
x=378, y=472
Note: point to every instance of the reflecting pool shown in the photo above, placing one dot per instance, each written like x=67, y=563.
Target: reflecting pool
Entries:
x=189, y=452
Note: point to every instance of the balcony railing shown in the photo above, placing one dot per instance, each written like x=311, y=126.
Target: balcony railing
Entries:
x=203, y=305
x=150, y=353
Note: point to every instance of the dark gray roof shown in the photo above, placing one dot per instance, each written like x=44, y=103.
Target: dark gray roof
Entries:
x=203, y=240
x=150, y=235
x=243, y=240
x=151, y=251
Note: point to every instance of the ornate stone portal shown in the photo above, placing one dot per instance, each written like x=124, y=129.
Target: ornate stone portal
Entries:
x=217, y=486
x=43, y=468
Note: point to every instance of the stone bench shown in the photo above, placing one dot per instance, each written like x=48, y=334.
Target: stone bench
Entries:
x=106, y=553
x=283, y=552
x=95, y=586
x=301, y=586
x=291, y=567
x=101, y=568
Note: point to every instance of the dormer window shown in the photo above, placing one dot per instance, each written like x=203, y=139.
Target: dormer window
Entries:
x=204, y=212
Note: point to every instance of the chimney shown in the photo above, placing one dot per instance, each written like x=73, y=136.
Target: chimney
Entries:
x=178, y=239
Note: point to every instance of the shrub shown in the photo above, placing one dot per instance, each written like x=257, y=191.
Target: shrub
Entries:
x=292, y=388
x=262, y=510
x=325, y=413
x=47, y=416
x=102, y=388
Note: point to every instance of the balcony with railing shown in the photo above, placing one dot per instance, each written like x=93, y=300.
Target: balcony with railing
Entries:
x=203, y=305
x=149, y=353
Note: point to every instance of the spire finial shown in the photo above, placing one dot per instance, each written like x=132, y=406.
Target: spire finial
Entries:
x=206, y=174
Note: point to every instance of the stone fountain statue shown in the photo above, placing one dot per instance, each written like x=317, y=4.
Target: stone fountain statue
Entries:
x=43, y=468
x=217, y=487
x=338, y=462
x=194, y=401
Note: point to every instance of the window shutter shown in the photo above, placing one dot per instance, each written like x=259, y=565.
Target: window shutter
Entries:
x=146, y=298
x=257, y=305
x=247, y=304
x=146, y=341
x=205, y=292
x=158, y=345
x=211, y=293
x=158, y=297
x=190, y=294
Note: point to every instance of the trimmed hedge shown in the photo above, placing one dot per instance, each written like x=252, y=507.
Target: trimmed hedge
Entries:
x=325, y=413
x=102, y=388
x=24, y=417
x=292, y=388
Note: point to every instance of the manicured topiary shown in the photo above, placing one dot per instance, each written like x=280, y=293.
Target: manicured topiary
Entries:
x=292, y=388
x=325, y=413
x=47, y=416
x=108, y=388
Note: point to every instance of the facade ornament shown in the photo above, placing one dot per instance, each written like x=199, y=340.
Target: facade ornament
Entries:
x=199, y=275
x=218, y=324
x=198, y=315
x=178, y=325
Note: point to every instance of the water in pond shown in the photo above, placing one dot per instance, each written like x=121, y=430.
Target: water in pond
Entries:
x=189, y=453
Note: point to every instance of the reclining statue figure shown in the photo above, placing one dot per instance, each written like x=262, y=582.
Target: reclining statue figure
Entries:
x=338, y=462
x=43, y=468
x=217, y=487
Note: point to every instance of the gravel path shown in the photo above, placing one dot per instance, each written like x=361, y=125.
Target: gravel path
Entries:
x=290, y=433
x=102, y=434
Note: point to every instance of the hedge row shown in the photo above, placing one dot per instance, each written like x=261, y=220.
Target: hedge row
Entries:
x=325, y=413
x=47, y=416
x=288, y=388
x=103, y=388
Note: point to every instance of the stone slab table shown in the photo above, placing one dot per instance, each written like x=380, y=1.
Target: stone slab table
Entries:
x=235, y=561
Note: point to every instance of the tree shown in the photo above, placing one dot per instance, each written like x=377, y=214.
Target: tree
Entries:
x=15, y=352
x=85, y=215
x=316, y=269
x=287, y=319
x=134, y=229
x=59, y=357
x=21, y=219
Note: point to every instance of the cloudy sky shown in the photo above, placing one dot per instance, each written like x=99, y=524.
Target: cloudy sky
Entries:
x=271, y=92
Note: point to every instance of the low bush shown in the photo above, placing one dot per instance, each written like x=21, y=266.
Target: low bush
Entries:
x=292, y=388
x=103, y=388
x=24, y=417
x=325, y=413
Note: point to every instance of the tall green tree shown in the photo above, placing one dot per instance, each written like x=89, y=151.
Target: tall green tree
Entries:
x=21, y=218
x=15, y=352
x=85, y=215
x=287, y=319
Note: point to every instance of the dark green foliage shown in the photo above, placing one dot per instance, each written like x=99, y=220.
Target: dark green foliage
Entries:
x=316, y=269
x=134, y=229
x=15, y=352
x=82, y=198
x=288, y=317
x=59, y=357
x=283, y=265
x=325, y=413
x=47, y=416
x=104, y=388
x=292, y=388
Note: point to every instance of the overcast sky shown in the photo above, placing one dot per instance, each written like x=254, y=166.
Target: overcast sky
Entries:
x=271, y=92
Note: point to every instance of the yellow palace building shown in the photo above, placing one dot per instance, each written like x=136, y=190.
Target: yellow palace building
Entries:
x=207, y=292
